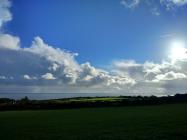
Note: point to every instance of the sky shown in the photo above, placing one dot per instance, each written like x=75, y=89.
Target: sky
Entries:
x=93, y=46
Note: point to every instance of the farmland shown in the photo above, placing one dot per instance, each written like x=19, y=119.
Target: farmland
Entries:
x=163, y=122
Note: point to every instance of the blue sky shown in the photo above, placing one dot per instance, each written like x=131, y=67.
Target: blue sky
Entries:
x=100, y=30
x=123, y=46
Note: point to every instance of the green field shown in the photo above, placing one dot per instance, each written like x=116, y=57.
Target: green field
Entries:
x=162, y=122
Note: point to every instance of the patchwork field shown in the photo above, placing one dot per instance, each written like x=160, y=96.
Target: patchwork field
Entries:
x=161, y=122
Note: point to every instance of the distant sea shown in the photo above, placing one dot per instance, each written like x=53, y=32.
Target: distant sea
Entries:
x=44, y=96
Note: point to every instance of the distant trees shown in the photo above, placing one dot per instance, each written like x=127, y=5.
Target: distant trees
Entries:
x=26, y=103
x=24, y=100
x=6, y=100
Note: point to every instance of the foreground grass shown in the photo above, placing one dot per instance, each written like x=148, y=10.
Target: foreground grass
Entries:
x=162, y=122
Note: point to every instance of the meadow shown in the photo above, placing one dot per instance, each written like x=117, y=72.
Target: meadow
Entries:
x=153, y=122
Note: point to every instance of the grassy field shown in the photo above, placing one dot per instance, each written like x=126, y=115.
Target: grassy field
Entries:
x=162, y=122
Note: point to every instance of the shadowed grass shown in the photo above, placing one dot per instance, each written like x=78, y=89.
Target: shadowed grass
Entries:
x=163, y=122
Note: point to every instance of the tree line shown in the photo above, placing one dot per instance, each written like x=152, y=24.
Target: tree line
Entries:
x=84, y=102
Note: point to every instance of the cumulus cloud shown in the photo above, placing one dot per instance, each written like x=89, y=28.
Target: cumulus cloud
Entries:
x=61, y=62
x=44, y=62
x=9, y=42
x=91, y=76
x=50, y=53
x=5, y=14
x=2, y=77
x=54, y=67
x=170, y=76
x=155, y=76
x=27, y=77
x=167, y=70
x=48, y=76
x=128, y=67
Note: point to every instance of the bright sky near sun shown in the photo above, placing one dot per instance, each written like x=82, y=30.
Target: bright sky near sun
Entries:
x=125, y=46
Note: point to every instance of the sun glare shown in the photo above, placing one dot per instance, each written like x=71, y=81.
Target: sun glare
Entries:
x=178, y=50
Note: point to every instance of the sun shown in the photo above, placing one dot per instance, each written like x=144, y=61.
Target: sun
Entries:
x=178, y=50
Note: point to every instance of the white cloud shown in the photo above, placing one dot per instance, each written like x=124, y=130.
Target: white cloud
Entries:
x=26, y=77
x=59, y=59
x=48, y=76
x=130, y=3
x=170, y=3
x=57, y=64
x=154, y=76
x=148, y=71
x=9, y=42
x=2, y=77
x=5, y=14
x=96, y=77
x=52, y=54
x=153, y=6
x=66, y=68
x=169, y=76
x=129, y=68
x=54, y=67
x=155, y=11
x=179, y=2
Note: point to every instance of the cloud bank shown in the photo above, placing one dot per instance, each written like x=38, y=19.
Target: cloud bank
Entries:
x=42, y=67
